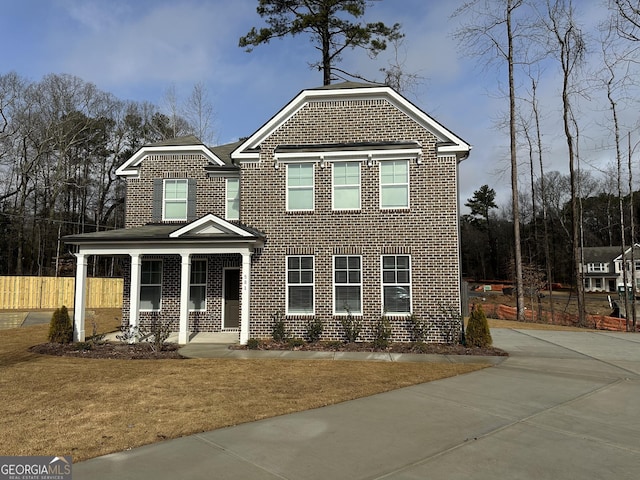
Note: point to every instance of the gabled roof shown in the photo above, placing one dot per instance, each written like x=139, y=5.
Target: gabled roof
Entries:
x=448, y=142
x=186, y=144
x=627, y=253
x=600, y=254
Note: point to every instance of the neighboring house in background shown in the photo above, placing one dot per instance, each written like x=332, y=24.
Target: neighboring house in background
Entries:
x=602, y=268
x=345, y=202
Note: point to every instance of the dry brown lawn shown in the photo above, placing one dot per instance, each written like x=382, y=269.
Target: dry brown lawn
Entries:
x=90, y=407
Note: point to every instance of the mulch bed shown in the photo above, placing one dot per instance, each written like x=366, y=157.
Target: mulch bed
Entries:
x=143, y=351
x=118, y=351
x=396, y=347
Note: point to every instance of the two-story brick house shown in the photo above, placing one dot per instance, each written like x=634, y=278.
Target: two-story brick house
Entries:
x=344, y=202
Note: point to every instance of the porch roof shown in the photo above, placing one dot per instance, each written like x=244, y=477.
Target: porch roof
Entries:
x=162, y=233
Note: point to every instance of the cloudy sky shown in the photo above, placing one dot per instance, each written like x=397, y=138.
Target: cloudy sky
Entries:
x=137, y=49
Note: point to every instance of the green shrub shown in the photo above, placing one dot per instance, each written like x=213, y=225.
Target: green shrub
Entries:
x=478, y=334
x=314, y=331
x=382, y=332
x=278, y=328
x=351, y=325
x=60, y=327
x=253, y=344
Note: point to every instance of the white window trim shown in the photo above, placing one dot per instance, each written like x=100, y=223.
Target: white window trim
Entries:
x=226, y=198
x=313, y=188
x=287, y=284
x=206, y=280
x=164, y=200
x=408, y=184
x=337, y=312
x=142, y=262
x=383, y=284
x=333, y=187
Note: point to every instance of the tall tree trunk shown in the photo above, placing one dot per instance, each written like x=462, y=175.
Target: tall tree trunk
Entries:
x=514, y=170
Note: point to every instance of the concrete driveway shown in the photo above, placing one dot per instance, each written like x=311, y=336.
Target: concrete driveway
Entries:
x=565, y=405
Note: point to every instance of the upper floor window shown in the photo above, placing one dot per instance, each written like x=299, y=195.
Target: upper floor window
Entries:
x=150, y=284
x=596, y=267
x=300, y=186
x=233, y=199
x=346, y=186
x=300, y=285
x=175, y=199
x=347, y=285
x=394, y=184
x=396, y=283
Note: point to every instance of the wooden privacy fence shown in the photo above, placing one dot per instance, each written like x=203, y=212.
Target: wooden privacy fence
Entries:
x=17, y=293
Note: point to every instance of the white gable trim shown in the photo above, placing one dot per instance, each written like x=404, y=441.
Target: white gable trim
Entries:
x=248, y=149
x=130, y=167
x=207, y=222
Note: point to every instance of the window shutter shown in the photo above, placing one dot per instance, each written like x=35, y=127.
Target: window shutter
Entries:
x=191, y=200
x=156, y=212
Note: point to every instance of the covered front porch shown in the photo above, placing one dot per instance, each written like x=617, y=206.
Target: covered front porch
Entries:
x=161, y=282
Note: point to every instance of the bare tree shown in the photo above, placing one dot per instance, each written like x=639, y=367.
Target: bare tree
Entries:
x=198, y=111
x=496, y=34
x=567, y=45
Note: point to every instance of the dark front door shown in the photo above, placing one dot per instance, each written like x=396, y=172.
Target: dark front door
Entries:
x=231, y=298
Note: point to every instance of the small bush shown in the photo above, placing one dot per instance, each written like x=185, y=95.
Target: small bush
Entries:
x=351, y=325
x=382, y=332
x=156, y=334
x=478, y=334
x=295, y=342
x=419, y=328
x=314, y=331
x=96, y=337
x=253, y=344
x=334, y=344
x=278, y=328
x=60, y=327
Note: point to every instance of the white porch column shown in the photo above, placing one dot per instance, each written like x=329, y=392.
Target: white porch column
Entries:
x=185, y=277
x=134, y=290
x=245, y=294
x=80, y=297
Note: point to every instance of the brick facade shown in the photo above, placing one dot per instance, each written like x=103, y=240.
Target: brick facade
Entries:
x=427, y=231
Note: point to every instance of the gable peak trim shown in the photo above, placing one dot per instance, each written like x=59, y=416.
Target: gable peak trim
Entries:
x=212, y=220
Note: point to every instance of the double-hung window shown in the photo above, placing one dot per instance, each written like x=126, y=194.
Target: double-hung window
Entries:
x=233, y=199
x=396, y=283
x=198, y=285
x=150, y=285
x=346, y=186
x=347, y=285
x=300, y=190
x=175, y=199
x=300, y=285
x=394, y=184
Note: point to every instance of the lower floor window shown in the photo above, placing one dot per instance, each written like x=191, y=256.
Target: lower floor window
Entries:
x=396, y=283
x=347, y=285
x=198, y=285
x=150, y=284
x=300, y=285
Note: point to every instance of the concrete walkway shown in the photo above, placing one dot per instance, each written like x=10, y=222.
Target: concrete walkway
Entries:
x=564, y=405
